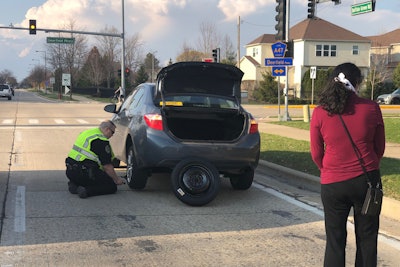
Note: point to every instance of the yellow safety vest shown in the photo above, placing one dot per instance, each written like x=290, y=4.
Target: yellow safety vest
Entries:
x=81, y=149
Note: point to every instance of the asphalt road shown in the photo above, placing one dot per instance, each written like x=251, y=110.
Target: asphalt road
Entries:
x=42, y=224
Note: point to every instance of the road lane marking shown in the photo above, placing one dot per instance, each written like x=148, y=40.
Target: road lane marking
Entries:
x=59, y=121
x=82, y=121
x=7, y=121
x=19, y=218
x=33, y=121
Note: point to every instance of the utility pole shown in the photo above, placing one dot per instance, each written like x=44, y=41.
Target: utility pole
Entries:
x=238, y=43
x=123, y=52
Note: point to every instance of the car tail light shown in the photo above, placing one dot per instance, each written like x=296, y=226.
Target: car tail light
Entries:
x=253, y=126
x=154, y=121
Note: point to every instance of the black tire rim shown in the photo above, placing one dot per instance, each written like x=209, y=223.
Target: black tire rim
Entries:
x=196, y=179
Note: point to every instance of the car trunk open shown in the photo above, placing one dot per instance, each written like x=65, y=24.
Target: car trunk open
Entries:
x=217, y=116
x=204, y=124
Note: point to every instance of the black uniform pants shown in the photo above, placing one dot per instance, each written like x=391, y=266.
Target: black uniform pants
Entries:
x=95, y=181
x=338, y=199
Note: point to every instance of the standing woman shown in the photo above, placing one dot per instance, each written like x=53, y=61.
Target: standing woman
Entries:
x=343, y=183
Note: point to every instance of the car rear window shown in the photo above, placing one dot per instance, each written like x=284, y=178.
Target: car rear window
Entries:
x=4, y=86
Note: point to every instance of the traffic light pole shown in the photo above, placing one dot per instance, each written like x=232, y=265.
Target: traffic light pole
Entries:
x=286, y=116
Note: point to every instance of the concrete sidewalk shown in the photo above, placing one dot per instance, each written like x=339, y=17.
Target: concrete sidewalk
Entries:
x=390, y=207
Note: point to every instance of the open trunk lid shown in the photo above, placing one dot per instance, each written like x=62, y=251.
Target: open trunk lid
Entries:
x=205, y=78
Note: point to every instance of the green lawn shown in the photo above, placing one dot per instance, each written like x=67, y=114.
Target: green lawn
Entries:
x=295, y=154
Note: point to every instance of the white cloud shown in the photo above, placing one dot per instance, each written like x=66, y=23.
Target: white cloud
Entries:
x=234, y=8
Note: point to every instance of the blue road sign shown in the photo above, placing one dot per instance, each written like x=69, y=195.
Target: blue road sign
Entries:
x=276, y=62
x=278, y=49
x=278, y=71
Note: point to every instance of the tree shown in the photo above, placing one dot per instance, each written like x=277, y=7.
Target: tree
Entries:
x=108, y=47
x=319, y=83
x=6, y=76
x=141, y=76
x=378, y=74
x=209, y=38
x=190, y=54
x=267, y=91
x=396, y=76
x=228, y=54
x=151, y=64
x=95, y=68
x=68, y=58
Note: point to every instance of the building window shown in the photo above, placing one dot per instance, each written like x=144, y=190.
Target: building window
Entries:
x=355, y=50
x=255, y=51
x=325, y=51
x=333, y=50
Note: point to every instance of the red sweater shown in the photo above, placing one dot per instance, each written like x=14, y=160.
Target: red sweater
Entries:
x=331, y=149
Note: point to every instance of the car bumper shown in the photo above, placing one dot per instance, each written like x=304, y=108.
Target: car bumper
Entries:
x=162, y=151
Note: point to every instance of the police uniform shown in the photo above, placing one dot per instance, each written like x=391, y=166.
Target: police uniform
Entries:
x=85, y=161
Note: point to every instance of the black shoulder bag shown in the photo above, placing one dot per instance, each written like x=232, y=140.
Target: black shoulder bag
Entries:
x=373, y=200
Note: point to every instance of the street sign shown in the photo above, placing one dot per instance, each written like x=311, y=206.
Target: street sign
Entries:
x=313, y=72
x=278, y=71
x=60, y=40
x=275, y=62
x=66, y=79
x=361, y=8
x=278, y=49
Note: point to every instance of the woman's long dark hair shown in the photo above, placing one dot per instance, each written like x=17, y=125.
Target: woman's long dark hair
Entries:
x=334, y=96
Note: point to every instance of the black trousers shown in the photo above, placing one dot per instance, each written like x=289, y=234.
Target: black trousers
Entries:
x=338, y=199
x=95, y=181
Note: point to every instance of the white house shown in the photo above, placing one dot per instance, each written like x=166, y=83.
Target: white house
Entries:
x=316, y=42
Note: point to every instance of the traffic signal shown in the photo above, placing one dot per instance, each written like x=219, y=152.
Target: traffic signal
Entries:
x=32, y=26
x=289, y=49
x=311, y=9
x=127, y=72
x=280, y=27
x=215, y=54
x=119, y=72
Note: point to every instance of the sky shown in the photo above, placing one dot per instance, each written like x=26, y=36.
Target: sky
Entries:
x=164, y=26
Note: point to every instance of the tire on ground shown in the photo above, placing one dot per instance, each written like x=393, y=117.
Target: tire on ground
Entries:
x=195, y=182
x=136, y=178
x=242, y=181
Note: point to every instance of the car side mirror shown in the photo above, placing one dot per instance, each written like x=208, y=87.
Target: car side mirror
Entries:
x=111, y=108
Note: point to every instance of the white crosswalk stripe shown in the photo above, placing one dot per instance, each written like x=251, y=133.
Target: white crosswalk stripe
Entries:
x=33, y=121
x=7, y=121
x=82, y=121
x=58, y=121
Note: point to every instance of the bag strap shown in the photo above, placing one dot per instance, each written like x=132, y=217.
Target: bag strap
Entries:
x=357, y=152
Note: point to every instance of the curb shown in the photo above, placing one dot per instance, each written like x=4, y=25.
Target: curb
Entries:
x=390, y=207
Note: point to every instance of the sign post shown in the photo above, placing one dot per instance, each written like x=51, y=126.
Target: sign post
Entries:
x=279, y=65
x=313, y=75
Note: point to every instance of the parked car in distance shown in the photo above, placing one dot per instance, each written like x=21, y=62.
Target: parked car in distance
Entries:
x=393, y=98
x=191, y=124
x=6, y=91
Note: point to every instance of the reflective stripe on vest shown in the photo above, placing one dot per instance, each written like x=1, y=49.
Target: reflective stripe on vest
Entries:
x=81, y=149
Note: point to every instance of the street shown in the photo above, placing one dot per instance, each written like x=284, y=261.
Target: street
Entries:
x=42, y=224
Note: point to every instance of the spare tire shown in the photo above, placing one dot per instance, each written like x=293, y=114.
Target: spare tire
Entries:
x=195, y=182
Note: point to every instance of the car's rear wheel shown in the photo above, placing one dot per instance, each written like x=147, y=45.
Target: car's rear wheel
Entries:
x=195, y=182
x=242, y=181
x=135, y=177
